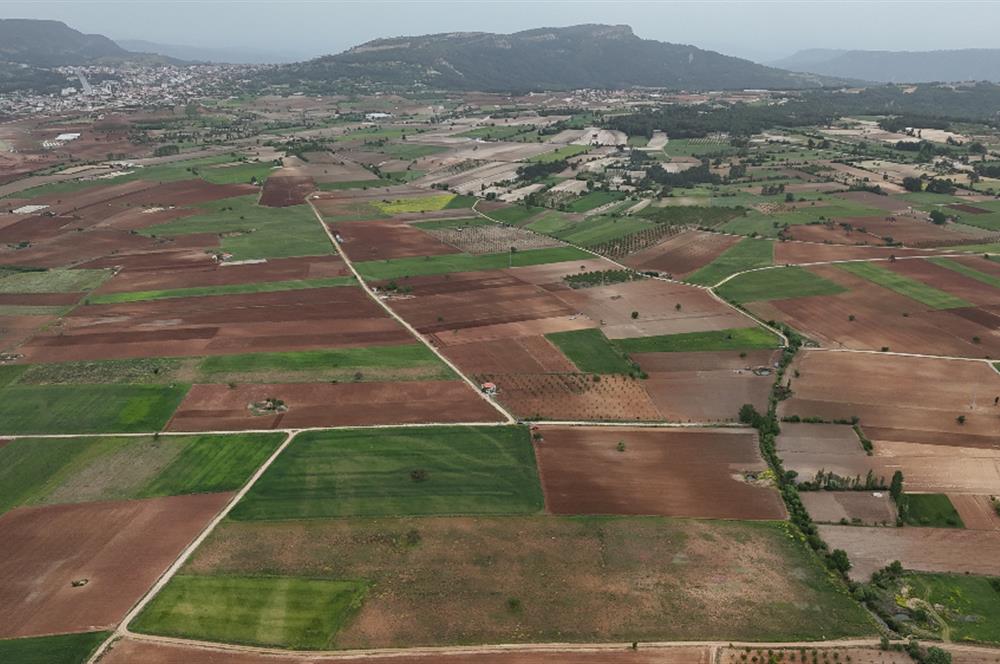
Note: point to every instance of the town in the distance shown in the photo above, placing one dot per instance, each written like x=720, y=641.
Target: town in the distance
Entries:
x=561, y=346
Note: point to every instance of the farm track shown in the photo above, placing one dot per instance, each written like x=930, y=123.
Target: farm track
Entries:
x=389, y=654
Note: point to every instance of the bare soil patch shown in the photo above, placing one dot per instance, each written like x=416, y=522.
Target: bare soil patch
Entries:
x=493, y=239
x=870, y=508
x=220, y=407
x=809, y=448
x=977, y=512
x=121, y=548
x=532, y=354
x=574, y=397
x=706, y=473
x=682, y=254
x=920, y=549
x=380, y=240
x=706, y=396
x=286, y=190
x=899, y=398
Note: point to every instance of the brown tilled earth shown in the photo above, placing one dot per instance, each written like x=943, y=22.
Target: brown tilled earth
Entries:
x=816, y=252
x=574, y=397
x=224, y=408
x=907, y=399
x=920, y=549
x=128, y=651
x=870, y=508
x=977, y=512
x=670, y=472
x=218, y=325
x=381, y=240
x=534, y=354
x=284, y=190
x=121, y=548
x=682, y=254
x=971, y=290
x=209, y=273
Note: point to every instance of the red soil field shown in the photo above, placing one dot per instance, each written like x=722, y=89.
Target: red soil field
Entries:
x=898, y=398
x=210, y=273
x=879, y=320
x=219, y=407
x=656, y=301
x=792, y=253
x=534, y=354
x=218, y=325
x=920, y=549
x=574, y=397
x=525, y=328
x=379, y=240
x=131, y=650
x=704, y=360
x=166, y=259
x=682, y=254
x=286, y=190
x=120, y=547
x=454, y=302
x=15, y=329
x=71, y=249
x=671, y=472
x=180, y=193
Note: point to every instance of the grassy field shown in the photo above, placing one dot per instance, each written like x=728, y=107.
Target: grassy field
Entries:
x=596, y=230
x=439, y=470
x=240, y=173
x=592, y=352
x=970, y=604
x=252, y=231
x=296, y=613
x=36, y=471
x=971, y=272
x=404, y=362
x=770, y=224
x=932, y=510
x=693, y=215
x=501, y=133
x=418, y=204
x=777, y=284
x=471, y=580
x=60, y=649
x=51, y=281
x=148, y=371
x=410, y=151
x=351, y=184
x=748, y=338
x=550, y=223
x=45, y=409
x=565, y=152
x=594, y=199
x=746, y=255
x=229, y=289
x=514, y=214
x=916, y=290
x=398, y=268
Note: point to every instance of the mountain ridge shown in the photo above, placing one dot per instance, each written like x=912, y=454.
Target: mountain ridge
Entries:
x=944, y=65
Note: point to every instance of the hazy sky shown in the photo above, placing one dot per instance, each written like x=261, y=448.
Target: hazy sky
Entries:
x=756, y=30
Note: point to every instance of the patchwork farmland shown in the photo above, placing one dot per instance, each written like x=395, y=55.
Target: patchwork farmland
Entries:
x=494, y=379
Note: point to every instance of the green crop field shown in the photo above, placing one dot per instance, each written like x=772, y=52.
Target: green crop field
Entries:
x=594, y=199
x=916, y=290
x=442, y=224
x=770, y=224
x=252, y=231
x=434, y=470
x=748, y=338
x=398, y=268
x=501, y=133
x=59, y=649
x=409, y=151
x=45, y=409
x=36, y=471
x=592, y=352
x=51, y=281
x=550, y=223
x=693, y=215
x=351, y=184
x=970, y=605
x=240, y=173
x=404, y=362
x=565, y=152
x=746, y=255
x=287, y=612
x=228, y=289
x=515, y=214
x=161, y=370
x=777, y=284
x=971, y=272
x=596, y=230
x=932, y=510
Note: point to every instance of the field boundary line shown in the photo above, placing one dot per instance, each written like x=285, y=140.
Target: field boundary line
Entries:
x=350, y=427
x=622, y=266
x=646, y=425
x=412, y=330
x=926, y=356
x=187, y=552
